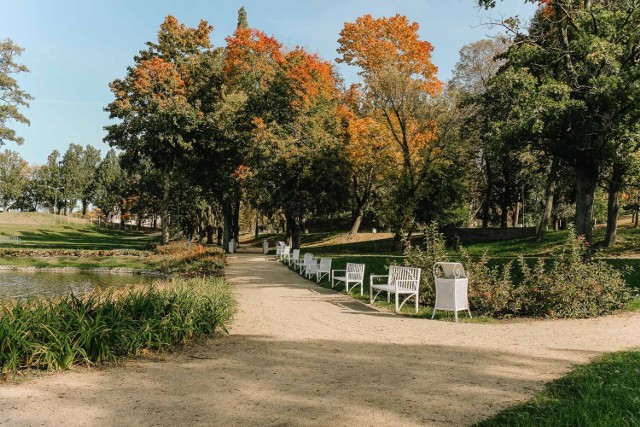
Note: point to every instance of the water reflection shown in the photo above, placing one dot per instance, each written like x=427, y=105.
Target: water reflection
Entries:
x=20, y=284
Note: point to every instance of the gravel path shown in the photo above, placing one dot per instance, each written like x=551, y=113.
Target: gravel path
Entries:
x=298, y=354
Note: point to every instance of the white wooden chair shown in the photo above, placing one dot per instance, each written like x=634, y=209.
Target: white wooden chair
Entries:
x=307, y=263
x=303, y=263
x=284, y=254
x=399, y=281
x=293, y=257
x=353, y=274
x=280, y=249
x=319, y=269
x=451, y=288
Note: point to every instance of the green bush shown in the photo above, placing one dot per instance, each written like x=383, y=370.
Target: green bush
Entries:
x=104, y=326
x=434, y=250
x=571, y=286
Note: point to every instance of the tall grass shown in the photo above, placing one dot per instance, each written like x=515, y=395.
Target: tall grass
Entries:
x=103, y=326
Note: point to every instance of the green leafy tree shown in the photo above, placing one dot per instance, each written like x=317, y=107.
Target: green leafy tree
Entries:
x=154, y=102
x=11, y=96
x=13, y=177
x=588, y=54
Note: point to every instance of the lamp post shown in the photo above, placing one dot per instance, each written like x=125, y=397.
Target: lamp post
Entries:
x=55, y=201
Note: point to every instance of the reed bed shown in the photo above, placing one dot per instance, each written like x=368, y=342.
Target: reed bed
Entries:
x=104, y=326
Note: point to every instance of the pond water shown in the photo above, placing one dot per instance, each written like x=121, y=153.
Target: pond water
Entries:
x=22, y=284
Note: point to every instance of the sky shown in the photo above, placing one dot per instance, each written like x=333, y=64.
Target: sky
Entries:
x=74, y=48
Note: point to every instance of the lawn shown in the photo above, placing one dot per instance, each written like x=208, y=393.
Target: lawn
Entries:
x=37, y=231
x=605, y=392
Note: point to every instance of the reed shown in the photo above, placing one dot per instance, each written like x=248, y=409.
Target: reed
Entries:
x=103, y=326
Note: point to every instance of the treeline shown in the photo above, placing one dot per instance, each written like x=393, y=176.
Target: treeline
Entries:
x=538, y=127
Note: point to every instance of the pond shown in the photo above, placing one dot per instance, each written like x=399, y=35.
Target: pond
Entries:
x=23, y=284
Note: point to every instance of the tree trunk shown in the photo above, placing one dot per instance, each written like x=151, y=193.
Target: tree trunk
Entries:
x=504, y=209
x=635, y=223
x=257, y=233
x=549, y=194
x=164, y=210
x=486, y=202
x=587, y=171
x=236, y=221
x=613, y=204
x=85, y=203
x=226, y=226
x=293, y=230
x=516, y=215
x=357, y=220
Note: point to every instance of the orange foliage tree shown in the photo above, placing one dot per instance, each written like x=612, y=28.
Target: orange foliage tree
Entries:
x=399, y=78
x=367, y=148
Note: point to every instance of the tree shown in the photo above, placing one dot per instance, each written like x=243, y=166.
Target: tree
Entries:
x=11, y=96
x=367, y=143
x=109, y=184
x=13, y=170
x=400, y=78
x=153, y=102
x=589, y=52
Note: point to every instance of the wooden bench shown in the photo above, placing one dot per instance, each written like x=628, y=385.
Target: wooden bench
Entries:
x=353, y=274
x=399, y=281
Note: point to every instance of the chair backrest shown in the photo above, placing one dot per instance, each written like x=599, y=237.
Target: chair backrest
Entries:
x=296, y=254
x=407, y=277
x=308, y=257
x=355, y=271
x=286, y=250
x=449, y=270
x=278, y=244
x=325, y=265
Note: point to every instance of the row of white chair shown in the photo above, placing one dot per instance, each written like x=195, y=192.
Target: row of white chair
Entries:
x=451, y=280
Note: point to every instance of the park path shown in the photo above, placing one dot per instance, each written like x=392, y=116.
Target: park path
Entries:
x=298, y=354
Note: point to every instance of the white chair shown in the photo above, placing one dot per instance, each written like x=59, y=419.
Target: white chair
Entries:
x=324, y=269
x=307, y=263
x=303, y=263
x=319, y=269
x=353, y=274
x=452, y=285
x=280, y=249
x=399, y=281
x=293, y=257
x=284, y=254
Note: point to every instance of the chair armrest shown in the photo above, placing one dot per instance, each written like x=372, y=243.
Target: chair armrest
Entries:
x=376, y=276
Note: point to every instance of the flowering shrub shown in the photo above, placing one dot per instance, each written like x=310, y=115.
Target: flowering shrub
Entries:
x=490, y=288
x=570, y=287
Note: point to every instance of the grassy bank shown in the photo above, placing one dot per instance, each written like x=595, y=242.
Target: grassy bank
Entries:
x=104, y=326
x=602, y=393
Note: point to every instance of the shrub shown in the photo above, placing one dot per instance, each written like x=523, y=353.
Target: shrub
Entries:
x=425, y=258
x=571, y=287
x=104, y=326
x=490, y=288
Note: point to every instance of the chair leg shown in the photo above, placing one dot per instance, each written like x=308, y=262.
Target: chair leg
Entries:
x=455, y=314
x=469, y=313
x=397, y=303
x=370, y=294
x=434, y=313
x=416, y=303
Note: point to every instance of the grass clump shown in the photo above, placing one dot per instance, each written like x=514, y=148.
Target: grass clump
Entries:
x=603, y=393
x=103, y=326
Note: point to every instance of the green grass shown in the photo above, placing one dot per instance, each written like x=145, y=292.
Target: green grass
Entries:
x=605, y=392
x=36, y=230
x=137, y=263
x=104, y=326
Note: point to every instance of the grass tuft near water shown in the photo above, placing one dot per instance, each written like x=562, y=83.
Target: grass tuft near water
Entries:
x=103, y=326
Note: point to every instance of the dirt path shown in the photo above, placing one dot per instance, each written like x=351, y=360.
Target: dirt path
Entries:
x=302, y=355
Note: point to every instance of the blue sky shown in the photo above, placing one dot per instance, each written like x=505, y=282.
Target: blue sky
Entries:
x=74, y=48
